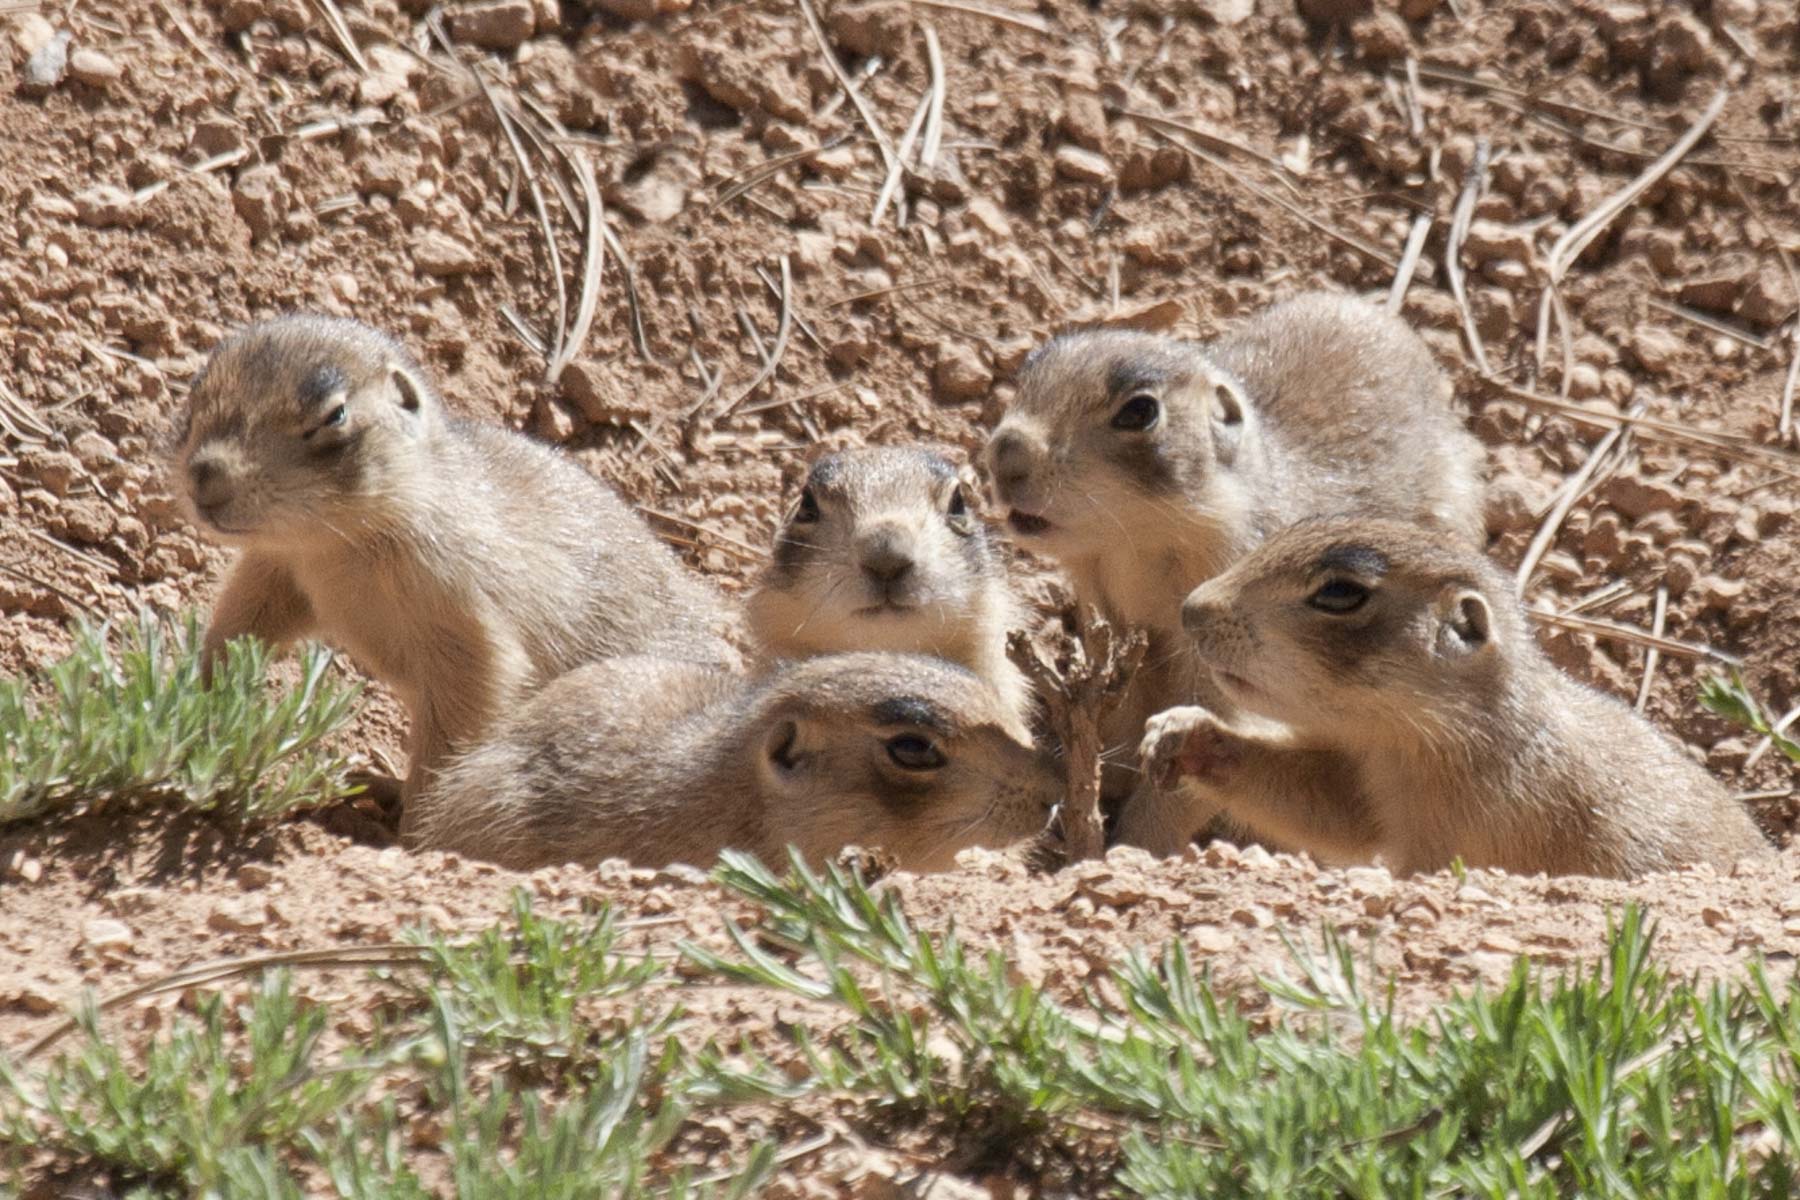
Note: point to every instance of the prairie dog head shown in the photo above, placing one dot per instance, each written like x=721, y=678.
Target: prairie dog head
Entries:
x=302, y=427
x=881, y=551
x=1117, y=436
x=900, y=751
x=1356, y=626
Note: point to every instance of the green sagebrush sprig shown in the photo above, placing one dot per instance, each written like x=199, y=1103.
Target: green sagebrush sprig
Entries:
x=124, y=716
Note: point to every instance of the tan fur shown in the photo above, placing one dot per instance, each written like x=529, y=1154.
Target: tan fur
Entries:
x=1322, y=404
x=884, y=550
x=656, y=762
x=460, y=564
x=1425, y=724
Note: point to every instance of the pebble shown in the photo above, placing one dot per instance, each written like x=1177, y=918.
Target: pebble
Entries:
x=441, y=255
x=960, y=374
x=1655, y=348
x=104, y=933
x=1636, y=497
x=496, y=25
x=44, y=69
x=240, y=914
x=985, y=214
x=95, y=69
x=1081, y=165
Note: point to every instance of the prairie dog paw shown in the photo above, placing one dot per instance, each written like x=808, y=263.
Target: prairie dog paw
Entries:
x=1188, y=743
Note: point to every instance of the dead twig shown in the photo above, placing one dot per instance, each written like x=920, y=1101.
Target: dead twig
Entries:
x=1022, y=20
x=934, y=120
x=1474, y=184
x=1409, y=261
x=849, y=86
x=593, y=260
x=1566, y=499
x=1582, y=234
x=1658, y=620
x=897, y=167
x=781, y=338
x=340, y=30
x=1081, y=679
x=1632, y=635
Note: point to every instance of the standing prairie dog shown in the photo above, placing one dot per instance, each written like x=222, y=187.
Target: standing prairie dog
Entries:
x=461, y=564
x=659, y=762
x=1146, y=465
x=1426, y=724
x=883, y=551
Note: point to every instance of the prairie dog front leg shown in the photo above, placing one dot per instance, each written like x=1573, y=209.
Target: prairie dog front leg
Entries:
x=260, y=598
x=1298, y=796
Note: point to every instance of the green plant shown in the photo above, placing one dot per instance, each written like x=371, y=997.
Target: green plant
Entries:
x=111, y=723
x=1731, y=698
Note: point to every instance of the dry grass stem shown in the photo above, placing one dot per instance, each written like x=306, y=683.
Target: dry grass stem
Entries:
x=1631, y=634
x=1566, y=499
x=340, y=30
x=897, y=166
x=1409, y=262
x=781, y=338
x=1658, y=622
x=844, y=81
x=593, y=260
x=1581, y=234
x=1022, y=20
x=934, y=120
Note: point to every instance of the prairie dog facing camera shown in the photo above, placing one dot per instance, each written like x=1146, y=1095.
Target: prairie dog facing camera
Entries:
x=658, y=762
x=883, y=550
x=1145, y=465
x=1425, y=722
x=459, y=563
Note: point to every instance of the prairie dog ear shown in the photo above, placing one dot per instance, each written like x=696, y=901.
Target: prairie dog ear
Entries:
x=785, y=756
x=409, y=387
x=1227, y=403
x=1465, y=623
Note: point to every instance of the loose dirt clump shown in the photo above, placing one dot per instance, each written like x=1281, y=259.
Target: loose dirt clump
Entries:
x=171, y=171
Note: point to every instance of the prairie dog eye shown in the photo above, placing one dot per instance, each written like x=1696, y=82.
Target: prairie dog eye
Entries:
x=808, y=509
x=333, y=420
x=1138, y=413
x=911, y=752
x=1338, y=596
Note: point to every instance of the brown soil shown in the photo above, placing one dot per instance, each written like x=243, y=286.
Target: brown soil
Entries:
x=204, y=163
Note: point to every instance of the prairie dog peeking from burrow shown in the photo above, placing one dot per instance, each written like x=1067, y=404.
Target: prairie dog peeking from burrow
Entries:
x=460, y=563
x=658, y=762
x=884, y=550
x=1425, y=722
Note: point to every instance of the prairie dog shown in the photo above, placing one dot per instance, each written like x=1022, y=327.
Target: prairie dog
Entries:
x=883, y=550
x=657, y=762
x=1426, y=723
x=461, y=564
x=1145, y=465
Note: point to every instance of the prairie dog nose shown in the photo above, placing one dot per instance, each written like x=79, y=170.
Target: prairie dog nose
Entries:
x=884, y=555
x=1199, y=613
x=1012, y=455
x=208, y=482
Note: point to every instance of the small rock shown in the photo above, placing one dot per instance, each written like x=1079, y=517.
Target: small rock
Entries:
x=56, y=470
x=601, y=397
x=260, y=198
x=1490, y=241
x=105, y=207
x=1718, y=288
x=494, y=25
x=1081, y=165
x=35, y=997
x=1637, y=497
x=44, y=69
x=95, y=69
x=1224, y=12
x=441, y=255
x=1768, y=299
x=1335, y=12
x=1515, y=502
x=1253, y=916
x=960, y=374
x=1210, y=939
x=240, y=914
x=1382, y=37
x=104, y=933
x=1719, y=593
x=251, y=876
x=1655, y=348
x=1084, y=120
x=985, y=214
